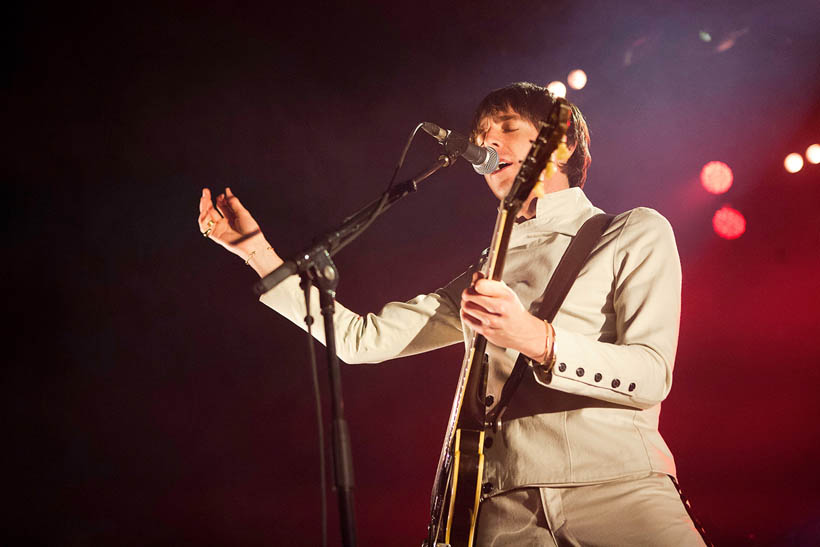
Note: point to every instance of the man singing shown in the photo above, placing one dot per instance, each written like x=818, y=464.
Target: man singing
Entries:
x=578, y=459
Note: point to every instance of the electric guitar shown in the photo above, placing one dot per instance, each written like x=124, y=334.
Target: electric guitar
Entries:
x=457, y=487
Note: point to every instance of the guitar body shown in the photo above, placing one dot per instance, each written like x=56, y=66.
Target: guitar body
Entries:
x=459, y=476
x=464, y=492
x=468, y=468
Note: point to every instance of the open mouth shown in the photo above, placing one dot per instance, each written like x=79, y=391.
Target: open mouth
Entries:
x=501, y=166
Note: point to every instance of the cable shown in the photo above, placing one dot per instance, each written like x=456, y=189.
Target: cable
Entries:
x=380, y=207
x=317, y=396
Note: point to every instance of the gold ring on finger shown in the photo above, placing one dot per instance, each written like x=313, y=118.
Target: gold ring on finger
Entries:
x=209, y=229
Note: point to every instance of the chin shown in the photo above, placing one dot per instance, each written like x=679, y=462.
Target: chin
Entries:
x=500, y=192
x=499, y=188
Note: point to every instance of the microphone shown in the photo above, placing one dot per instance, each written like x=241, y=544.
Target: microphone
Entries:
x=483, y=158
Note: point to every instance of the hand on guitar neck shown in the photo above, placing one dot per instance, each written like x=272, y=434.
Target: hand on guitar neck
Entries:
x=493, y=310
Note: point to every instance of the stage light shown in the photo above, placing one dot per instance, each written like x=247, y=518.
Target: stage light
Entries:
x=793, y=162
x=728, y=223
x=716, y=177
x=577, y=79
x=813, y=154
x=557, y=88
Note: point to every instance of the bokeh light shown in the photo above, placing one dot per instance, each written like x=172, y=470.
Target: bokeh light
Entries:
x=716, y=177
x=728, y=223
x=577, y=79
x=813, y=154
x=793, y=162
x=557, y=88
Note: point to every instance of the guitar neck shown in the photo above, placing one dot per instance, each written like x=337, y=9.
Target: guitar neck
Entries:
x=457, y=487
x=498, y=246
x=472, y=410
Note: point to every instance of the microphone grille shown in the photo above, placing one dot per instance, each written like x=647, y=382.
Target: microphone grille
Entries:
x=490, y=164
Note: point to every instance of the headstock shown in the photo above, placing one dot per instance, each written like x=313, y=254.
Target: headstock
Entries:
x=548, y=147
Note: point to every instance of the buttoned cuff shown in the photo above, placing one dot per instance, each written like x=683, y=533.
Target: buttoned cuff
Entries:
x=577, y=370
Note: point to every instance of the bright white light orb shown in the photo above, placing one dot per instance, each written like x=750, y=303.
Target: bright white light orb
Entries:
x=557, y=88
x=577, y=79
x=793, y=162
x=813, y=153
x=716, y=177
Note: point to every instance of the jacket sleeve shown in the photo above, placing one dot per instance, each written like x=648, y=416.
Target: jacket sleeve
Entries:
x=635, y=370
x=422, y=324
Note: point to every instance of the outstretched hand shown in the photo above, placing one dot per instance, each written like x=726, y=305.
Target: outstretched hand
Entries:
x=493, y=310
x=231, y=225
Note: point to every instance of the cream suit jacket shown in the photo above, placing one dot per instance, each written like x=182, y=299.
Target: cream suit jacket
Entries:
x=595, y=417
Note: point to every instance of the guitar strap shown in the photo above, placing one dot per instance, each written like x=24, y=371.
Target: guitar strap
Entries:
x=559, y=285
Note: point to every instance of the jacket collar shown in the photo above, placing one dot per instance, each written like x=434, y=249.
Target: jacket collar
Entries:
x=563, y=212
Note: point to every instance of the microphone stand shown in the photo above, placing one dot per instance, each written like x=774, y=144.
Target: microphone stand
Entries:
x=315, y=266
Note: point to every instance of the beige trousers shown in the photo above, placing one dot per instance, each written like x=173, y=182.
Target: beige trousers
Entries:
x=635, y=512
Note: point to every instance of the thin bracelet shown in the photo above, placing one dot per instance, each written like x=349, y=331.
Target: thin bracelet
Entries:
x=547, y=367
x=547, y=362
x=250, y=256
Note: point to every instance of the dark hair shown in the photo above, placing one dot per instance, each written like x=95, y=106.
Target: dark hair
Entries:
x=534, y=103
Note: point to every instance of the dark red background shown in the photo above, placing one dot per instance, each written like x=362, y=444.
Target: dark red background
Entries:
x=151, y=400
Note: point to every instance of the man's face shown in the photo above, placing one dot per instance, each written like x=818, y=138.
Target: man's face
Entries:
x=512, y=136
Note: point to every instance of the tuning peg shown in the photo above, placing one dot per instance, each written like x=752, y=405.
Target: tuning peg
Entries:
x=562, y=153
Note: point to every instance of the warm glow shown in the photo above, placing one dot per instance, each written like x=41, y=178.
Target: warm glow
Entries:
x=577, y=79
x=813, y=153
x=716, y=177
x=793, y=162
x=729, y=223
x=557, y=88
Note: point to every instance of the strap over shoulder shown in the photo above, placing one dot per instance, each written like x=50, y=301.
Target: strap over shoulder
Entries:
x=559, y=285
x=571, y=263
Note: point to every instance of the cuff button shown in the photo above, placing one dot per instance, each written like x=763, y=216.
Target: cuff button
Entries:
x=632, y=386
x=579, y=371
x=616, y=382
x=598, y=377
x=562, y=367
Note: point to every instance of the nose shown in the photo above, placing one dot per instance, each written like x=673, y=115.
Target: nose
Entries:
x=493, y=138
